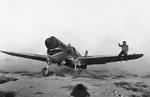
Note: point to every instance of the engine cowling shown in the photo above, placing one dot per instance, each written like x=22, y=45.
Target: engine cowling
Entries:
x=51, y=43
x=56, y=50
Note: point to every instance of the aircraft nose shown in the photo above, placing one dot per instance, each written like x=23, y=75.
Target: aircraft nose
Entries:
x=51, y=42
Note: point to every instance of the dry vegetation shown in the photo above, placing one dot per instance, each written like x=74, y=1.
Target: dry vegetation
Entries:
x=138, y=87
x=4, y=79
x=69, y=87
x=7, y=94
x=4, y=72
x=146, y=76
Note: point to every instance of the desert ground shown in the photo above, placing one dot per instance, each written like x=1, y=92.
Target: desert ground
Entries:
x=99, y=83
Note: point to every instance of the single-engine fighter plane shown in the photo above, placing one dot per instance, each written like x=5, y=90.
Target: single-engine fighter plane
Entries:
x=62, y=54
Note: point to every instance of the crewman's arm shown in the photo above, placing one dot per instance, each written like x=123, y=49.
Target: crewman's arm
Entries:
x=119, y=45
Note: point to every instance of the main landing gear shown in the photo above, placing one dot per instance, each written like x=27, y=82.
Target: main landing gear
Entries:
x=45, y=70
x=79, y=70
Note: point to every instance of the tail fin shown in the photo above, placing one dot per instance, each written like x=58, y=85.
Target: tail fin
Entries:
x=86, y=53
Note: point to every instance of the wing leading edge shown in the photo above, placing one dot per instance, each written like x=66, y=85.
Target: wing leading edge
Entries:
x=29, y=55
x=107, y=59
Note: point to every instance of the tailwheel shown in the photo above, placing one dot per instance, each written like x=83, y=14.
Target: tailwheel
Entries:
x=44, y=71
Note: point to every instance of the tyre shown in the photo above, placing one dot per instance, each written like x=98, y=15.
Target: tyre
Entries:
x=43, y=71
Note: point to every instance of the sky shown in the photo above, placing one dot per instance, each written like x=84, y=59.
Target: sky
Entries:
x=94, y=25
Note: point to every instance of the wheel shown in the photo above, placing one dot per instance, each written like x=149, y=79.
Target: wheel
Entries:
x=44, y=71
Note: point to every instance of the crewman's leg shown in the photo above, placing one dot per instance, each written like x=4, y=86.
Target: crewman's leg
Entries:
x=120, y=54
x=125, y=56
x=75, y=71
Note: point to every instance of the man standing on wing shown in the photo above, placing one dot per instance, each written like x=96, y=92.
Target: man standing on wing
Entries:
x=124, y=50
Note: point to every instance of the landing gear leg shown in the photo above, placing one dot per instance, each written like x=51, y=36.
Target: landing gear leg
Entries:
x=76, y=72
x=45, y=70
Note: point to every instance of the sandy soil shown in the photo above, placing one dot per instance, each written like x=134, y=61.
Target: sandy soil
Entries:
x=54, y=86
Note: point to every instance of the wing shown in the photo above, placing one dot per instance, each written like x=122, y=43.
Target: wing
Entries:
x=107, y=59
x=29, y=56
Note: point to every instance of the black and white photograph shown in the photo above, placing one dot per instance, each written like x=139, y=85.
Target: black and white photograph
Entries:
x=74, y=48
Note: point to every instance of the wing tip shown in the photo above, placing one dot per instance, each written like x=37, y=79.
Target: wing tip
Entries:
x=2, y=51
x=6, y=52
x=141, y=55
x=138, y=55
